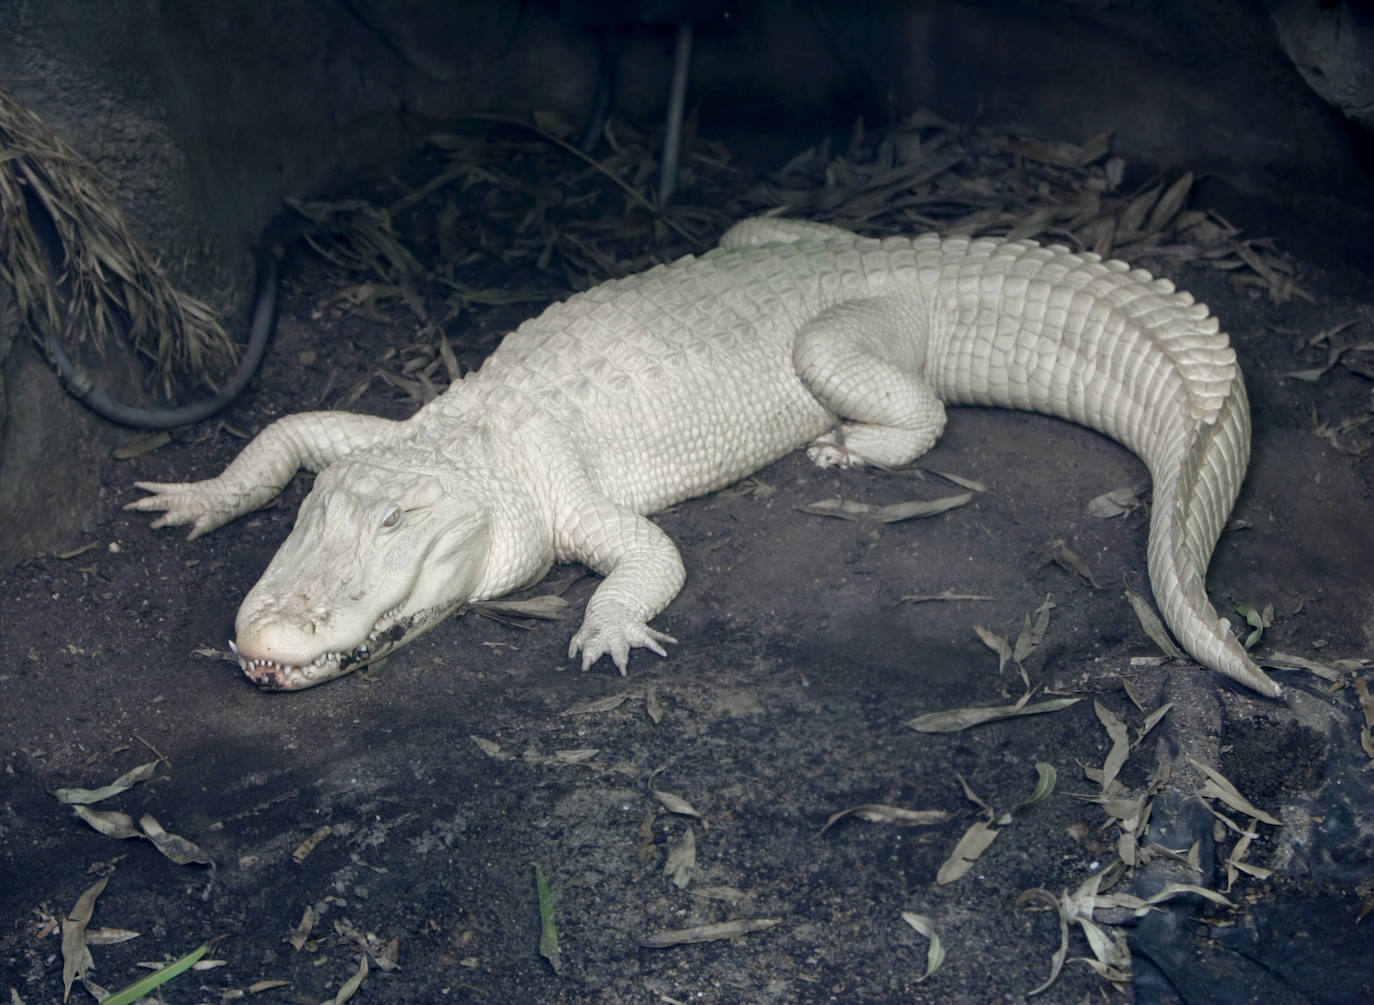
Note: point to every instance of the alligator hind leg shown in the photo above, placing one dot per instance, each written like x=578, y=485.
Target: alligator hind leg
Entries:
x=862, y=360
x=310, y=440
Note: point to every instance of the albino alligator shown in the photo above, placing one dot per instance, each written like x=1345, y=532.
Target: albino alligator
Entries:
x=648, y=390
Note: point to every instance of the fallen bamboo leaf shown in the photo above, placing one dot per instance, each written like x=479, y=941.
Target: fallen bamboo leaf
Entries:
x=1060, y=954
x=141, y=987
x=301, y=932
x=972, y=484
x=596, y=705
x=708, y=933
x=491, y=748
x=123, y=783
x=970, y=848
x=141, y=443
x=652, y=705
x=880, y=813
x=1031, y=635
x=173, y=846
x=258, y=987
x=1152, y=720
x=1121, y=744
x=914, y=509
x=935, y=953
x=1171, y=890
x=108, y=936
x=675, y=804
x=1046, y=778
x=729, y=894
x=962, y=718
x=681, y=864
x=1170, y=203
x=1117, y=502
x=921, y=598
x=1287, y=661
x=1066, y=559
x=974, y=797
x=1258, y=620
x=548, y=926
x=1154, y=628
x=997, y=644
x=76, y=955
x=578, y=755
x=111, y=823
x=350, y=987
x=1218, y=787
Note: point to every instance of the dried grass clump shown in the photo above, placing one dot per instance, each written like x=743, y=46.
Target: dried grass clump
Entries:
x=78, y=272
x=511, y=193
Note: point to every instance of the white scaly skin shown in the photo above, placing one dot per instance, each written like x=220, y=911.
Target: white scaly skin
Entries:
x=649, y=390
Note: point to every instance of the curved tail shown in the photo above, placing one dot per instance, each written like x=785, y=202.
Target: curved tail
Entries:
x=1043, y=329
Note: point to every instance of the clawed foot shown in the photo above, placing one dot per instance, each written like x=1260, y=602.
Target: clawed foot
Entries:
x=829, y=451
x=195, y=503
x=614, y=633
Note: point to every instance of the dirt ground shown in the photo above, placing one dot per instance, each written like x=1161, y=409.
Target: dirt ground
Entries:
x=785, y=700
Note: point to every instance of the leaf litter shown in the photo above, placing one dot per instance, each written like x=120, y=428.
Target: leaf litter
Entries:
x=531, y=198
x=981, y=833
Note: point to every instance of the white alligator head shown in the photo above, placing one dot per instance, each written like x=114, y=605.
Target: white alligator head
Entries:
x=376, y=557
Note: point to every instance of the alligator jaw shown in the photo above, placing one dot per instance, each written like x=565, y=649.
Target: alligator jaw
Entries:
x=390, y=631
x=272, y=676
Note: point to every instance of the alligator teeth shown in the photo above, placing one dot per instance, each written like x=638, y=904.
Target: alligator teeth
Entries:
x=258, y=669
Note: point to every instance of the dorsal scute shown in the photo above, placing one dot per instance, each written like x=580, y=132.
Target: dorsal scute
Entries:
x=1183, y=329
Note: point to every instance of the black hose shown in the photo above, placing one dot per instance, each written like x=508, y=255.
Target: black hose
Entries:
x=79, y=385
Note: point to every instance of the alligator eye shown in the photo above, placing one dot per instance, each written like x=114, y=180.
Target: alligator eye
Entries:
x=392, y=518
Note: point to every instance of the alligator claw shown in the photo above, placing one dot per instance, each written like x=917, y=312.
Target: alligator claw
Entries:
x=604, y=637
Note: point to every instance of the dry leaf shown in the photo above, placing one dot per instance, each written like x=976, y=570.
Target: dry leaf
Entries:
x=882, y=814
x=708, y=933
x=123, y=783
x=1121, y=745
x=962, y=718
x=1154, y=628
x=997, y=644
x=972, y=484
x=1117, y=502
x=894, y=513
x=596, y=705
x=970, y=848
x=921, y=598
x=935, y=955
x=350, y=987
x=1045, y=779
x=301, y=932
x=682, y=860
x=675, y=804
x=76, y=956
x=491, y=748
x=173, y=846
x=1218, y=787
x=1031, y=635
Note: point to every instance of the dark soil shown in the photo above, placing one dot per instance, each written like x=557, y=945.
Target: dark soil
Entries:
x=784, y=701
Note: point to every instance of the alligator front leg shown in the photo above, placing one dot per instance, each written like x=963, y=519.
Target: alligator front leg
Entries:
x=310, y=440
x=643, y=573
